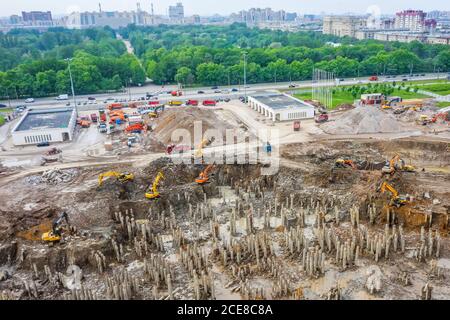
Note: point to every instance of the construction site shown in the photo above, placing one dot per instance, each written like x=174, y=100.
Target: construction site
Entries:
x=357, y=206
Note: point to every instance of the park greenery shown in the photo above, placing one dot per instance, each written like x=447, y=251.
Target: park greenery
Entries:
x=34, y=64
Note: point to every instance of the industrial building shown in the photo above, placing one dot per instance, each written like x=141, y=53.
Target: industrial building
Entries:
x=45, y=125
x=281, y=107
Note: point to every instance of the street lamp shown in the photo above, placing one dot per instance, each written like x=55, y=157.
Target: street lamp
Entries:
x=245, y=75
x=71, y=85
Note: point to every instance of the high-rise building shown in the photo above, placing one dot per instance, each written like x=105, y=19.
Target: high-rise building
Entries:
x=34, y=16
x=413, y=20
x=343, y=25
x=176, y=12
x=113, y=19
x=259, y=16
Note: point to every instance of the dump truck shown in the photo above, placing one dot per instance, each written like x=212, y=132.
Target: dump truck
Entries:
x=209, y=103
x=102, y=115
x=85, y=123
x=94, y=117
x=192, y=103
x=115, y=106
x=138, y=127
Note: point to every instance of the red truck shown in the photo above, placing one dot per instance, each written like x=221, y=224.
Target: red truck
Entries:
x=115, y=106
x=153, y=103
x=373, y=78
x=135, y=127
x=94, y=117
x=210, y=103
x=192, y=103
x=323, y=117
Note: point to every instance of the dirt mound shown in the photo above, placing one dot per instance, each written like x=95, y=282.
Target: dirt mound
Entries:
x=363, y=120
x=184, y=118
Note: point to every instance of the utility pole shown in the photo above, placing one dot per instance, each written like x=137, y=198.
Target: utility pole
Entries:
x=71, y=85
x=129, y=89
x=245, y=76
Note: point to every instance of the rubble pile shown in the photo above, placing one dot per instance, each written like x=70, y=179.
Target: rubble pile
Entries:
x=53, y=177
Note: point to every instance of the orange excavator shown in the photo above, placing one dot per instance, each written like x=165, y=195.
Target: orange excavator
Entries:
x=204, y=175
x=396, y=199
x=345, y=163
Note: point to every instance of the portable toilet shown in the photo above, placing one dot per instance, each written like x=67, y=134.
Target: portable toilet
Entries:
x=118, y=122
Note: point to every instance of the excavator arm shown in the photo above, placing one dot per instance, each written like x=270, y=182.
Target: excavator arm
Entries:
x=204, y=175
x=155, y=193
x=122, y=177
x=55, y=234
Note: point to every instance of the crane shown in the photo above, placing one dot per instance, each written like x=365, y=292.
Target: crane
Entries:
x=155, y=193
x=396, y=199
x=55, y=235
x=122, y=177
x=204, y=175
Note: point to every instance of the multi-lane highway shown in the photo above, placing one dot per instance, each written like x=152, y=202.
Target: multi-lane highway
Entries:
x=192, y=93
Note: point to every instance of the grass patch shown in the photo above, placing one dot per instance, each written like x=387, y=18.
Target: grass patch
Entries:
x=443, y=104
x=441, y=88
x=6, y=110
x=2, y=120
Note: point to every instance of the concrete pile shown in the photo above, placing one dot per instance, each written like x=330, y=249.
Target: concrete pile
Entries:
x=363, y=120
x=53, y=177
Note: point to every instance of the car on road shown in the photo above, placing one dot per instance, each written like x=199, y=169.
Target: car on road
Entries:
x=292, y=86
x=405, y=79
x=234, y=90
x=214, y=88
x=109, y=99
x=85, y=103
x=68, y=104
x=43, y=144
x=227, y=100
x=200, y=92
x=3, y=105
x=29, y=100
x=92, y=98
x=217, y=91
x=422, y=74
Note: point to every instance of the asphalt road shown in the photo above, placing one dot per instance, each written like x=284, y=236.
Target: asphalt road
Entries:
x=192, y=93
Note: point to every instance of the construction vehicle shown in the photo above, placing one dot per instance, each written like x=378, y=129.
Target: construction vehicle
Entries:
x=45, y=160
x=396, y=200
x=267, y=147
x=209, y=103
x=176, y=93
x=94, y=117
x=296, y=125
x=193, y=103
x=175, y=103
x=344, y=163
x=122, y=177
x=424, y=120
x=204, y=143
x=155, y=193
x=53, y=151
x=204, y=175
x=115, y=106
x=323, y=117
x=396, y=163
x=102, y=115
x=55, y=235
x=85, y=123
x=135, y=127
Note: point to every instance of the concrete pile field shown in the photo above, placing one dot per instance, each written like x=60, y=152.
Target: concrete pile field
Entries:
x=311, y=232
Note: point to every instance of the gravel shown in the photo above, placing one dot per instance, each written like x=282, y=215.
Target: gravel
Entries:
x=53, y=177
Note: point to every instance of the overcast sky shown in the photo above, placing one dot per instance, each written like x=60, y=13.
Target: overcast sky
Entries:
x=209, y=7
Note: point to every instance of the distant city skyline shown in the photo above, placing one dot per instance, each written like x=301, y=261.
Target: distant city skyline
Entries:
x=210, y=7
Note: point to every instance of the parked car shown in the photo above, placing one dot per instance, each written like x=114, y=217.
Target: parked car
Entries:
x=92, y=98
x=3, y=105
x=227, y=100
x=422, y=74
x=200, y=92
x=234, y=90
x=217, y=91
x=29, y=100
x=43, y=144
x=214, y=88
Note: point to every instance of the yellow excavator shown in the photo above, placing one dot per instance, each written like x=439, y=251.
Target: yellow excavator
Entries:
x=344, y=163
x=204, y=175
x=396, y=199
x=396, y=163
x=55, y=235
x=204, y=143
x=155, y=193
x=122, y=177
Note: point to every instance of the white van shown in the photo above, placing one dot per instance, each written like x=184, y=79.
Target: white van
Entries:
x=62, y=97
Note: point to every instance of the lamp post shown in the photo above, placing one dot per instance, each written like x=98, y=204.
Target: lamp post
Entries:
x=245, y=75
x=71, y=85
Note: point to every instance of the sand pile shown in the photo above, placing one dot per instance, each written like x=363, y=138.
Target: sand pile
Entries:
x=183, y=118
x=363, y=120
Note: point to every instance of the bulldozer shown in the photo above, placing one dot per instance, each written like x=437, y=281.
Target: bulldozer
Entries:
x=204, y=175
x=344, y=163
x=154, y=194
x=122, y=177
x=396, y=163
x=55, y=235
x=396, y=200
